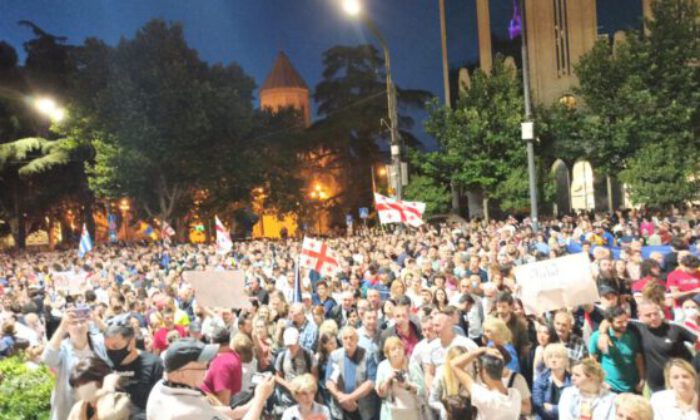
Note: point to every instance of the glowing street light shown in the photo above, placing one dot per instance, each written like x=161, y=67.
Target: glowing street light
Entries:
x=48, y=107
x=352, y=7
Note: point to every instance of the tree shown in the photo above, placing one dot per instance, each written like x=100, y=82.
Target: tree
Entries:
x=352, y=101
x=427, y=190
x=479, y=139
x=643, y=97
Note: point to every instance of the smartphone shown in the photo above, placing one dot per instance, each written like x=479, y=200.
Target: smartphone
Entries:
x=82, y=311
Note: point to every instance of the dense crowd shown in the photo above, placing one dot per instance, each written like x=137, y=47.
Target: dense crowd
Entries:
x=417, y=324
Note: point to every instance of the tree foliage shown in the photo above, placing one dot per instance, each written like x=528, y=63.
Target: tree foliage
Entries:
x=643, y=98
x=479, y=138
x=429, y=191
x=353, y=131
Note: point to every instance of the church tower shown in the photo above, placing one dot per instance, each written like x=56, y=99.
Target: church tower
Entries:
x=284, y=87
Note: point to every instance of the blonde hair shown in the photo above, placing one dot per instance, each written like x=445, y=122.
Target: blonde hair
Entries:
x=635, y=404
x=592, y=369
x=304, y=383
x=555, y=349
x=395, y=286
x=113, y=406
x=451, y=382
x=243, y=345
x=499, y=329
x=391, y=343
x=680, y=364
x=329, y=327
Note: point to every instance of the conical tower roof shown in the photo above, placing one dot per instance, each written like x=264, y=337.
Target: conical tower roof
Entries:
x=283, y=75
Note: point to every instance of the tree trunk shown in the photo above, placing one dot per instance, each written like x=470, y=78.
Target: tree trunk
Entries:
x=454, y=187
x=608, y=180
x=486, y=208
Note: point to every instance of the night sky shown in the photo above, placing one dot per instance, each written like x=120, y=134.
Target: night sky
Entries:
x=249, y=32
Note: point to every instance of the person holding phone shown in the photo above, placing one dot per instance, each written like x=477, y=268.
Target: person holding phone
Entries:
x=70, y=344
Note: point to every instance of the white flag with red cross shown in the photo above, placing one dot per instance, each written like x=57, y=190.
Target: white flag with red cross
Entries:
x=317, y=255
x=223, y=238
x=391, y=210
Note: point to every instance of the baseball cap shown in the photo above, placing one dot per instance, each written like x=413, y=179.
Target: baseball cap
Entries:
x=291, y=336
x=188, y=350
x=605, y=289
x=696, y=299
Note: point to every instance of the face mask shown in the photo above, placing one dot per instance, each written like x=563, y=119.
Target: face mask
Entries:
x=118, y=356
x=690, y=313
x=86, y=392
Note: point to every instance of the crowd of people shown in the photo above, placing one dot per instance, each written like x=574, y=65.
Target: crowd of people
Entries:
x=420, y=323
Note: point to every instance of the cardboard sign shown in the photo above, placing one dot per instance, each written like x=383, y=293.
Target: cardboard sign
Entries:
x=219, y=289
x=69, y=281
x=557, y=283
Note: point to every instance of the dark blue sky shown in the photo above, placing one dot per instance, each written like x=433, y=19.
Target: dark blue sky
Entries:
x=249, y=32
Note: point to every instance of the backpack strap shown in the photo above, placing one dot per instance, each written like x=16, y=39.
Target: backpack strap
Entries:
x=511, y=380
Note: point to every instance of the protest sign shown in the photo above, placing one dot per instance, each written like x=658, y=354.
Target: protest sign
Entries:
x=557, y=283
x=69, y=281
x=219, y=289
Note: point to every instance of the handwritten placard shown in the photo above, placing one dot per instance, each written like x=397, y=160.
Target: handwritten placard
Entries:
x=219, y=289
x=564, y=282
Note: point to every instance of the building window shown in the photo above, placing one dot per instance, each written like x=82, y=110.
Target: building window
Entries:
x=561, y=38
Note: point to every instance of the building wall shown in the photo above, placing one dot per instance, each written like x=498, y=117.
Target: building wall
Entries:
x=559, y=32
x=286, y=97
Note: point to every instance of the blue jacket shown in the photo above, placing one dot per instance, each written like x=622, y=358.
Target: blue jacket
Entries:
x=542, y=393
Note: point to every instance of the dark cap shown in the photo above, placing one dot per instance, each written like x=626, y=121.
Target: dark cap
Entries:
x=188, y=350
x=696, y=299
x=605, y=289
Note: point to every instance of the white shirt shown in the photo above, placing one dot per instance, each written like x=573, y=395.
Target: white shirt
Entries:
x=493, y=405
x=438, y=352
x=666, y=407
x=421, y=352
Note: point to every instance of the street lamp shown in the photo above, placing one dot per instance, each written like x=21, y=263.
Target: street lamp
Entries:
x=49, y=108
x=528, y=127
x=124, y=207
x=318, y=197
x=354, y=8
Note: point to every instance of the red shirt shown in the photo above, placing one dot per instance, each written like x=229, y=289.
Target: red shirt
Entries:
x=408, y=341
x=225, y=373
x=683, y=281
x=639, y=285
x=160, y=340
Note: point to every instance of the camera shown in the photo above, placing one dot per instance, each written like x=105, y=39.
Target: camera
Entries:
x=400, y=377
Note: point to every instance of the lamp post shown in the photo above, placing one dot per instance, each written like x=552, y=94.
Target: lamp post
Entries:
x=49, y=108
x=124, y=207
x=354, y=8
x=528, y=127
x=318, y=196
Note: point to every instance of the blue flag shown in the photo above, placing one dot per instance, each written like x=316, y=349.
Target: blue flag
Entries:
x=85, y=244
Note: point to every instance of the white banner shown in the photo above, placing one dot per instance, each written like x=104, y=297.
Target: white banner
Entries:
x=564, y=282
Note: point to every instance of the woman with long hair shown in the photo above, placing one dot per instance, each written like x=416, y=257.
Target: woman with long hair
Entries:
x=264, y=351
x=448, y=397
x=680, y=399
x=440, y=299
x=399, y=384
x=325, y=346
x=70, y=343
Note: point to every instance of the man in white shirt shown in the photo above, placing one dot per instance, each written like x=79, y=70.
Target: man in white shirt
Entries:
x=446, y=339
x=421, y=352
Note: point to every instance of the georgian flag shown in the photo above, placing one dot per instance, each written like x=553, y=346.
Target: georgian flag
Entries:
x=85, y=244
x=223, y=238
x=396, y=211
x=317, y=255
x=166, y=231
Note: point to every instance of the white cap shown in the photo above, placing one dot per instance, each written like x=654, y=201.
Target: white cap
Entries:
x=305, y=295
x=291, y=336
